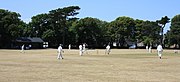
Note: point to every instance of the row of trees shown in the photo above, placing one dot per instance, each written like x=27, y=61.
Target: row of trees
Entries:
x=60, y=26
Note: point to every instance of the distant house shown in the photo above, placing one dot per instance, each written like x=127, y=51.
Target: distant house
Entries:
x=29, y=42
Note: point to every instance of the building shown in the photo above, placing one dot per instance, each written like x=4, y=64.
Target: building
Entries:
x=29, y=42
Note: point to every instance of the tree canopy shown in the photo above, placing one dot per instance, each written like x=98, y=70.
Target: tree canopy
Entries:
x=11, y=27
x=173, y=36
x=53, y=26
x=61, y=26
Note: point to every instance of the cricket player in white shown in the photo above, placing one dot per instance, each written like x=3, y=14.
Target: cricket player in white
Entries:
x=150, y=49
x=22, y=49
x=80, y=50
x=84, y=47
x=69, y=46
x=147, y=48
x=60, y=50
x=159, y=50
x=107, y=49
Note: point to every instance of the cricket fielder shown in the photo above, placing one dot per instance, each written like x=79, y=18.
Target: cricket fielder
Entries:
x=147, y=48
x=159, y=50
x=22, y=49
x=150, y=49
x=69, y=46
x=60, y=50
x=84, y=47
x=80, y=50
x=107, y=49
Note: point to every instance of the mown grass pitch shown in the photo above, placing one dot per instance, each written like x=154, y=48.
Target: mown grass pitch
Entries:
x=122, y=65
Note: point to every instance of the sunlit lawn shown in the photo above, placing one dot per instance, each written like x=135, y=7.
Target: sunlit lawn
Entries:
x=123, y=65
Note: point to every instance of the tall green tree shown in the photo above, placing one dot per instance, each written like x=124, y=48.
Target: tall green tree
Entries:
x=59, y=22
x=38, y=25
x=147, y=32
x=89, y=30
x=173, y=36
x=162, y=23
x=11, y=27
x=122, y=29
x=55, y=23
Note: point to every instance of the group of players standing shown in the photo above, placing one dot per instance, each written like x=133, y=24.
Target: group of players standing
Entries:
x=82, y=50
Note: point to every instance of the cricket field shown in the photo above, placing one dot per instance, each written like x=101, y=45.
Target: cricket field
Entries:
x=122, y=65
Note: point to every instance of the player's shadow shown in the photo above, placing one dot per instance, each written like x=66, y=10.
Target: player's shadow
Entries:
x=153, y=57
x=164, y=58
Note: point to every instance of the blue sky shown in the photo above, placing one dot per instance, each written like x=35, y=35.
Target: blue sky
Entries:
x=107, y=10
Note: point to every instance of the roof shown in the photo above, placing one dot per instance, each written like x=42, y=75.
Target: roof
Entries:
x=29, y=39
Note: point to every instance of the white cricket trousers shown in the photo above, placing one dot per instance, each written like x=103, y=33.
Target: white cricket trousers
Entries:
x=59, y=55
x=80, y=52
x=159, y=53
